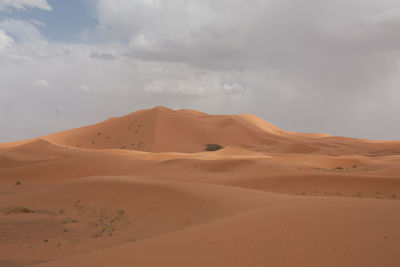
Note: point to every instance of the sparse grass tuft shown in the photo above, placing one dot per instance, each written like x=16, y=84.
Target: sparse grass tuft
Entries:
x=109, y=222
x=69, y=220
x=18, y=183
x=120, y=213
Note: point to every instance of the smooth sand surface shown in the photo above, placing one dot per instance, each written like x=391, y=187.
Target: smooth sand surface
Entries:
x=141, y=190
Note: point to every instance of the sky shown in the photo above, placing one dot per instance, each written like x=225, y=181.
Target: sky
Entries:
x=303, y=65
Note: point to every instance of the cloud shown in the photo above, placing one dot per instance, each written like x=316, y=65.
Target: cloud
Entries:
x=105, y=56
x=38, y=23
x=41, y=83
x=170, y=86
x=24, y=4
x=22, y=31
x=5, y=40
x=198, y=85
x=306, y=41
x=84, y=87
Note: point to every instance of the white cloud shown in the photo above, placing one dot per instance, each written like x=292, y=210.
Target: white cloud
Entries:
x=21, y=30
x=5, y=40
x=235, y=34
x=23, y=4
x=38, y=23
x=84, y=87
x=188, y=82
x=176, y=87
x=104, y=56
x=41, y=83
x=233, y=89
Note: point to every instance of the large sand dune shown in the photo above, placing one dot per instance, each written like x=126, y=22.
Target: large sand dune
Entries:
x=141, y=190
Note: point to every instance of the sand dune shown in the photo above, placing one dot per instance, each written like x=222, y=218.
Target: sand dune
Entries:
x=141, y=190
x=164, y=130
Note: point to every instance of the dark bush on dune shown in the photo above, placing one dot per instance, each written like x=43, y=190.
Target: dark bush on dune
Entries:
x=213, y=147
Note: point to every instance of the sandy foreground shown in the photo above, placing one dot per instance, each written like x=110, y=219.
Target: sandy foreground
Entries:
x=141, y=190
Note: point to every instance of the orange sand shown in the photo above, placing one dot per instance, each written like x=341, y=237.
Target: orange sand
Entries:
x=141, y=190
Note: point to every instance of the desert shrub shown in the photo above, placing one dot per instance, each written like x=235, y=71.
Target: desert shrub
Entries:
x=19, y=210
x=213, y=147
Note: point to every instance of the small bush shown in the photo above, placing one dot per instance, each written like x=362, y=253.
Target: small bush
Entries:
x=213, y=147
x=18, y=183
x=339, y=168
x=19, y=210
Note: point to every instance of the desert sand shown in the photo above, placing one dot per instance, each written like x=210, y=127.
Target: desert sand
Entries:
x=141, y=190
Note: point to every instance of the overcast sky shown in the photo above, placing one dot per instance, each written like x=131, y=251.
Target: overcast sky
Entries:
x=303, y=65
